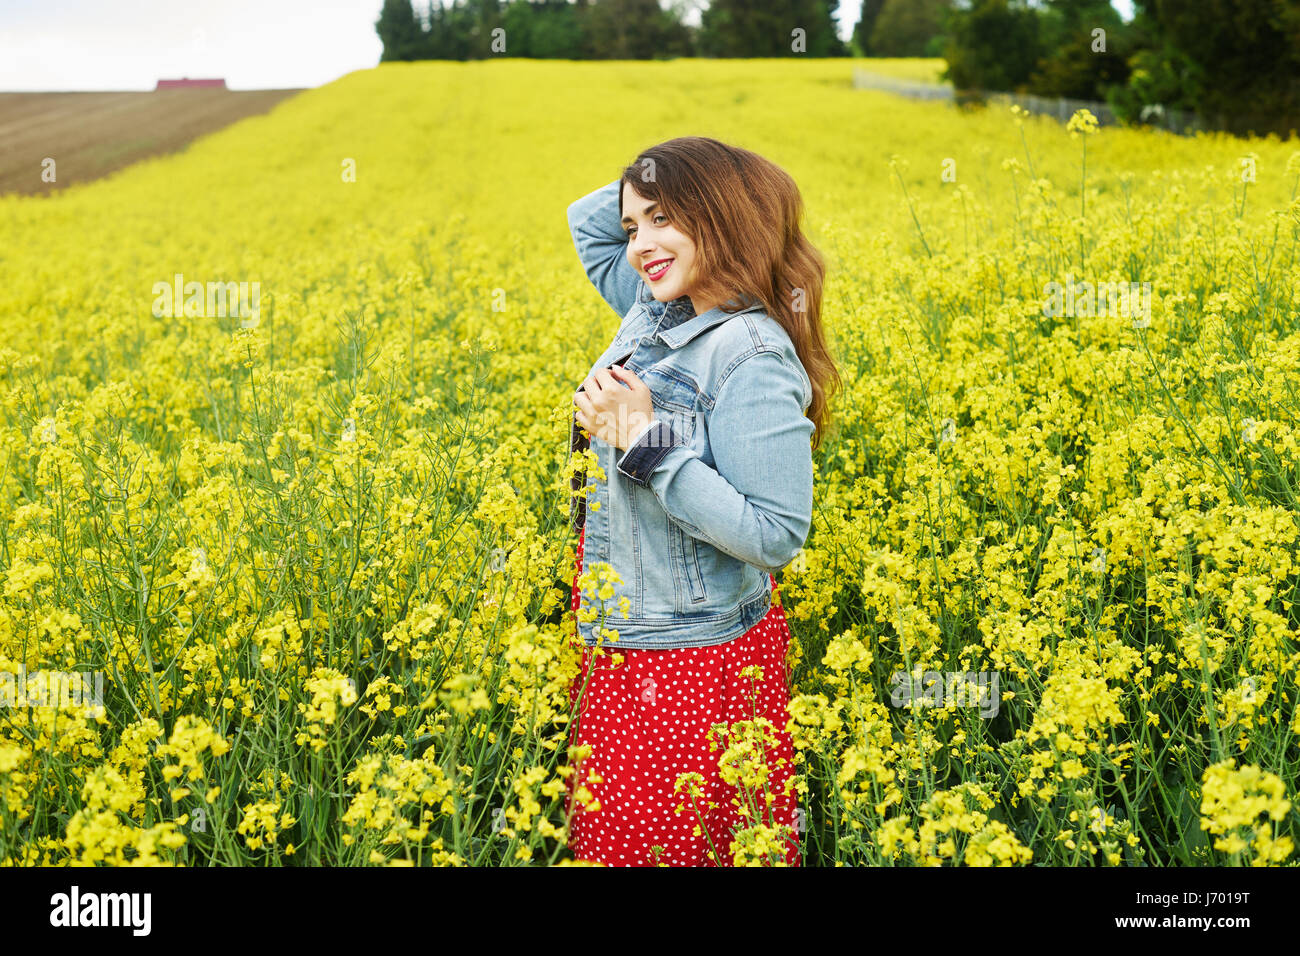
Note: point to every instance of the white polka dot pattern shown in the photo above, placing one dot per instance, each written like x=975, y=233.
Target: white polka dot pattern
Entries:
x=646, y=721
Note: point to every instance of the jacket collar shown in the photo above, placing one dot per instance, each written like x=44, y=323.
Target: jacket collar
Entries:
x=678, y=323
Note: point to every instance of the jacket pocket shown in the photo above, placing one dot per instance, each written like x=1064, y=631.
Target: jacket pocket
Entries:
x=684, y=545
x=675, y=399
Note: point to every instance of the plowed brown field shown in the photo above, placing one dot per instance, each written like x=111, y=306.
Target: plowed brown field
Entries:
x=91, y=134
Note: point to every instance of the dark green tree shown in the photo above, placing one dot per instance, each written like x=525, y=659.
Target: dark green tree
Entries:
x=1161, y=77
x=633, y=30
x=909, y=28
x=992, y=45
x=866, y=22
x=740, y=28
x=463, y=30
x=400, y=32
x=1238, y=60
x=482, y=17
x=449, y=28
x=544, y=29
x=1085, y=50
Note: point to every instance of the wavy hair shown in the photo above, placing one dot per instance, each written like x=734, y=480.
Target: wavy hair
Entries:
x=743, y=213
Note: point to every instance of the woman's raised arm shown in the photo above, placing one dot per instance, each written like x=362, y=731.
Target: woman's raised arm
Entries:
x=602, y=246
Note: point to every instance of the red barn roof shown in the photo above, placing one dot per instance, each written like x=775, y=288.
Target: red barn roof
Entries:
x=185, y=82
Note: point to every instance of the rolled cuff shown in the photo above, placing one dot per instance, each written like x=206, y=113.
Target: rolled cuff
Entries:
x=644, y=455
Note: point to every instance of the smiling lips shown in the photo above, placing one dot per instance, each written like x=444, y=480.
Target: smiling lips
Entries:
x=656, y=270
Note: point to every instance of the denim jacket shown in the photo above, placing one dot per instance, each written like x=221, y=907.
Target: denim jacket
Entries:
x=717, y=493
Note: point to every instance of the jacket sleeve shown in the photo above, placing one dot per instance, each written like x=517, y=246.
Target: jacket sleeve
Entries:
x=602, y=246
x=756, y=505
x=636, y=435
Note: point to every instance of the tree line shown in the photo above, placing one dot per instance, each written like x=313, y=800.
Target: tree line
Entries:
x=607, y=29
x=1234, y=62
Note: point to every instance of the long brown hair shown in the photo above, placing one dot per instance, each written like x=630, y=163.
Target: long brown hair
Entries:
x=742, y=212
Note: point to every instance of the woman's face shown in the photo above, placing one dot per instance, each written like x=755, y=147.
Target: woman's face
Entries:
x=661, y=255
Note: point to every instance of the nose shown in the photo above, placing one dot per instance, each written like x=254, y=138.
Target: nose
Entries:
x=641, y=248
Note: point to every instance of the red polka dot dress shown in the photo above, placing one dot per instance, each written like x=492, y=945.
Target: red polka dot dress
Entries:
x=647, y=721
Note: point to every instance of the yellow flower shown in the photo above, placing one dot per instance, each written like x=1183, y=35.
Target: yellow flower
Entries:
x=1082, y=122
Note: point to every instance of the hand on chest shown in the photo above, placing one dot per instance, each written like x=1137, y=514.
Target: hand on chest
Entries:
x=652, y=367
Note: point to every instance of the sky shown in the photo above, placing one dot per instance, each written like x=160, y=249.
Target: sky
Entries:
x=252, y=44
x=131, y=44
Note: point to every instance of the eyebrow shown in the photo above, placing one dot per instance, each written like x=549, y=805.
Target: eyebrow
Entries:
x=645, y=211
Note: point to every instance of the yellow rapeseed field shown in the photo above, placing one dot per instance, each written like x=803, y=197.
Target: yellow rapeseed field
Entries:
x=315, y=551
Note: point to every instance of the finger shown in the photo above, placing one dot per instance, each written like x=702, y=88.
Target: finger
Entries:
x=624, y=375
x=611, y=379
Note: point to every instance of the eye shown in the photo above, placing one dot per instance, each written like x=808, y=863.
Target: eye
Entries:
x=631, y=229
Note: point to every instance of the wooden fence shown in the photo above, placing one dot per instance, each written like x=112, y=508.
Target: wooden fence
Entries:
x=1062, y=108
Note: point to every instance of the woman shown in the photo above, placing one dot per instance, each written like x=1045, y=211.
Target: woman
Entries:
x=702, y=413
